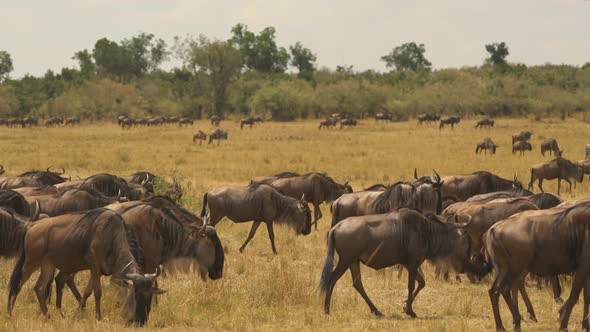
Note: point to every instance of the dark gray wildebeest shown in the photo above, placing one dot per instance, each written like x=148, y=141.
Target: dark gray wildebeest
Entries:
x=120, y=118
x=141, y=177
x=558, y=168
x=13, y=227
x=108, y=185
x=30, y=121
x=250, y=121
x=72, y=121
x=485, y=145
x=521, y=147
x=54, y=122
x=257, y=203
x=429, y=117
x=272, y=178
x=403, y=237
x=585, y=164
x=328, y=123
x=348, y=122
x=73, y=200
x=15, y=123
x=449, y=120
x=96, y=240
x=218, y=134
x=521, y=136
x=551, y=145
x=127, y=123
x=199, y=136
x=317, y=189
x=459, y=188
x=489, y=123
x=32, y=179
x=15, y=201
x=185, y=121
x=215, y=120
x=383, y=116
x=545, y=243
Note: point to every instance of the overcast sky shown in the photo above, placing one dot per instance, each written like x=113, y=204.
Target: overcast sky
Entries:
x=43, y=34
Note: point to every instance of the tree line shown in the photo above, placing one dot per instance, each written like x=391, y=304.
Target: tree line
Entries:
x=250, y=74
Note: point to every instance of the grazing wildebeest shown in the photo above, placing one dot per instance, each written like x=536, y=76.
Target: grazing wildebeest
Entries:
x=199, y=136
x=521, y=136
x=317, y=188
x=348, y=122
x=54, y=121
x=558, y=168
x=545, y=243
x=96, y=240
x=383, y=117
x=72, y=121
x=218, y=134
x=13, y=227
x=215, y=120
x=185, y=121
x=585, y=164
x=14, y=122
x=449, y=120
x=68, y=201
x=521, y=147
x=429, y=117
x=489, y=123
x=551, y=145
x=404, y=237
x=32, y=179
x=328, y=123
x=485, y=145
x=247, y=122
x=460, y=187
x=257, y=203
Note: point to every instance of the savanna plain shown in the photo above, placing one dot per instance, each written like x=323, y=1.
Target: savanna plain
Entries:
x=261, y=291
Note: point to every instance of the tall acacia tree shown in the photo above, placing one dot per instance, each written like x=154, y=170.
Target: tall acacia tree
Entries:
x=498, y=53
x=5, y=65
x=260, y=51
x=409, y=56
x=303, y=59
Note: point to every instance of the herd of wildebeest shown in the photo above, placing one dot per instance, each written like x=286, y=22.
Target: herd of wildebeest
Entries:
x=476, y=223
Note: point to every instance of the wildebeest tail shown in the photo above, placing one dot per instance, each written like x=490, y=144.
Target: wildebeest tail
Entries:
x=335, y=209
x=326, y=279
x=532, y=180
x=204, y=210
x=16, y=277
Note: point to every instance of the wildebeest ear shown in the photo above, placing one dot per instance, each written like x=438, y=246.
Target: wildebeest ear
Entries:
x=158, y=291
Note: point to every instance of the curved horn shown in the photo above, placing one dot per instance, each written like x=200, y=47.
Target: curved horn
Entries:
x=437, y=176
x=415, y=174
x=303, y=197
x=515, y=176
x=126, y=266
x=144, y=180
x=63, y=171
x=119, y=194
x=458, y=225
x=204, y=225
x=153, y=276
x=37, y=211
x=48, y=168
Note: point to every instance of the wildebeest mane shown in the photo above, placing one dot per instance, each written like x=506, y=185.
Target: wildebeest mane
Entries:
x=12, y=232
x=376, y=187
x=285, y=175
x=491, y=180
x=383, y=202
x=14, y=200
x=167, y=202
x=83, y=225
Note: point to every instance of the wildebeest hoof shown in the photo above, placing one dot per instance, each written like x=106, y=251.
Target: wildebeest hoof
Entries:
x=377, y=313
x=559, y=300
x=533, y=318
x=409, y=312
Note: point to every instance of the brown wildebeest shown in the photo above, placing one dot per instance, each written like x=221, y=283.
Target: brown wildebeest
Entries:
x=404, y=237
x=126, y=123
x=141, y=177
x=199, y=136
x=348, y=122
x=521, y=136
x=30, y=121
x=257, y=203
x=54, y=121
x=460, y=187
x=13, y=227
x=72, y=121
x=317, y=188
x=106, y=184
x=215, y=120
x=37, y=191
x=558, y=168
x=32, y=179
x=270, y=179
x=485, y=145
x=185, y=121
x=489, y=123
x=73, y=200
x=218, y=134
x=15, y=201
x=449, y=120
x=429, y=117
x=545, y=243
x=120, y=118
x=551, y=145
x=247, y=122
x=328, y=123
x=521, y=146
x=585, y=164
x=383, y=117
x=96, y=240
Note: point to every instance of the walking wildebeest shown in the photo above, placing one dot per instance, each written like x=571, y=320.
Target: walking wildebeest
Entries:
x=521, y=136
x=545, y=243
x=250, y=121
x=460, y=187
x=32, y=179
x=429, y=117
x=30, y=121
x=215, y=120
x=489, y=123
x=54, y=121
x=316, y=187
x=348, y=122
x=95, y=240
x=199, y=136
x=383, y=117
x=13, y=227
x=185, y=121
x=585, y=164
x=551, y=145
x=328, y=123
x=485, y=145
x=404, y=237
x=218, y=134
x=521, y=147
x=558, y=168
x=257, y=203
x=449, y=120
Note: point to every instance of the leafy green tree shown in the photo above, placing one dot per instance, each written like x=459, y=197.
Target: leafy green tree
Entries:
x=498, y=53
x=409, y=56
x=260, y=52
x=147, y=53
x=5, y=65
x=87, y=66
x=303, y=60
x=112, y=59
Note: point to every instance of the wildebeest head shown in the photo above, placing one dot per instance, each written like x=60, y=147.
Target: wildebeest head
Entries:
x=576, y=171
x=298, y=215
x=209, y=252
x=140, y=290
x=428, y=190
x=47, y=177
x=462, y=259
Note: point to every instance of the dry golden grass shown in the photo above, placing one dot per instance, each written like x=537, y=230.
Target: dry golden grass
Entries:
x=260, y=291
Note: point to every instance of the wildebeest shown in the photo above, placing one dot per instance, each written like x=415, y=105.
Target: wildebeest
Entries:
x=185, y=121
x=489, y=123
x=218, y=134
x=585, y=164
x=429, y=117
x=106, y=184
x=32, y=179
x=551, y=145
x=126, y=123
x=328, y=123
x=521, y=136
x=72, y=121
x=68, y=201
x=13, y=227
x=30, y=121
x=120, y=118
x=545, y=243
x=404, y=237
x=348, y=122
x=141, y=177
x=449, y=120
x=250, y=121
x=2, y=170
x=15, y=201
x=95, y=240
x=54, y=121
x=317, y=188
x=485, y=145
x=215, y=120
x=15, y=122
x=257, y=203
x=460, y=187
x=37, y=191
x=199, y=136
x=521, y=147
x=383, y=117
x=270, y=179
x=558, y=168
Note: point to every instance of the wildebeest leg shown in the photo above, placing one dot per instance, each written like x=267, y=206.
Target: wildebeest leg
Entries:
x=411, y=284
x=355, y=271
x=317, y=214
x=421, y=283
x=334, y=276
x=27, y=271
x=45, y=277
x=570, y=182
x=565, y=311
x=271, y=236
x=87, y=293
x=255, y=225
x=97, y=289
x=541, y=186
x=556, y=289
x=558, y=186
x=525, y=299
x=494, y=299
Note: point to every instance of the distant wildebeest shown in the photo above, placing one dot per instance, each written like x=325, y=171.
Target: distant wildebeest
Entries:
x=328, y=123
x=173, y=119
x=218, y=134
x=551, y=145
x=317, y=189
x=348, y=122
x=96, y=240
x=72, y=121
x=72, y=200
x=2, y=122
x=250, y=121
x=545, y=243
x=120, y=118
x=521, y=147
x=126, y=123
x=155, y=120
x=489, y=123
x=383, y=117
x=449, y=120
x=429, y=117
x=485, y=145
x=15, y=123
x=585, y=164
x=521, y=136
x=404, y=237
x=257, y=203
x=185, y=121
x=32, y=179
x=215, y=120
x=12, y=231
x=558, y=168
x=54, y=121
x=30, y=121
x=199, y=136
x=459, y=188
